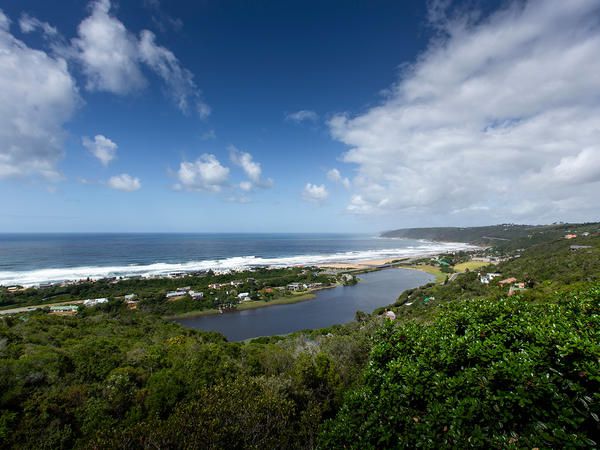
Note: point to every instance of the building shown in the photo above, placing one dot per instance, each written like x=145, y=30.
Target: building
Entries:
x=570, y=236
x=243, y=296
x=296, y=287
x=486, y=278
x=94, y=301
x=579, y=247
x=130, y=297
x=196, y=295
x=173, y=294
x=390, y=315
x=64, y=310
x=507, y=281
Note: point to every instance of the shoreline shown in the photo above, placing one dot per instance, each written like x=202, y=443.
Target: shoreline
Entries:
x=345, y=261
x=254, y=304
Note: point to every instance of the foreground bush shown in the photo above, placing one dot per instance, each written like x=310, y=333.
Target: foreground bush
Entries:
x=491, y=374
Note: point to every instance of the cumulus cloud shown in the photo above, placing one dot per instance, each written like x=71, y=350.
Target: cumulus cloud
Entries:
x=39, y=96
x=124, y=182
x=303, y=115
x=336, y=176
x=204, y=174
x=108, y=52
x=102, y=148
x=251, y=168
x=499, y=118
x=112, y=57
x=315, y=193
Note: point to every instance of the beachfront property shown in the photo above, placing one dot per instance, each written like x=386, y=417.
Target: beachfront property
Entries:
x=243, y=296
x=195, y=295
x=94, y=301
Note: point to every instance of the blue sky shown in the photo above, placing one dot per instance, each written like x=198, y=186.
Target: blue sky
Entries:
x=296, y=116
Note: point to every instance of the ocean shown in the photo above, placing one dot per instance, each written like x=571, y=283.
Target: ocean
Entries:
x=30, y=259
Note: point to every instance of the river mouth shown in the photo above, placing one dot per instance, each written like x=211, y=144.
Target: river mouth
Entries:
x=329, y=307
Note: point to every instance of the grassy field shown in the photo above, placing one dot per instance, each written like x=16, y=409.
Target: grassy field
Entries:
x=433, y=270
x=471, y=265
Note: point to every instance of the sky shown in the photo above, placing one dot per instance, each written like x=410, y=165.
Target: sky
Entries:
x=297, y=116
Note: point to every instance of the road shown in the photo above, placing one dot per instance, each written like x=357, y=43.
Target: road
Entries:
x=23, y=309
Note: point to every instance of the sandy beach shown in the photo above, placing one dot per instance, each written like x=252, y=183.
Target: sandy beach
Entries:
x=362, y=264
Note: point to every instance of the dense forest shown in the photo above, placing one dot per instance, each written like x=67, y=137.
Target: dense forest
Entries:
x=464, y=365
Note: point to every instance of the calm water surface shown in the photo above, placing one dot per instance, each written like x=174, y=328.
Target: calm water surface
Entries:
x=330, y=307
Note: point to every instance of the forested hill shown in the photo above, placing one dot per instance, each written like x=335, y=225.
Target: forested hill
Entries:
x=494, y=234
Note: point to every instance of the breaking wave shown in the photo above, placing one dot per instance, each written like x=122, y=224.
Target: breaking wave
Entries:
x=47, y=275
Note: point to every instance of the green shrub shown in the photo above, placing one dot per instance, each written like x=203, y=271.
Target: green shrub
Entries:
x=506, y=373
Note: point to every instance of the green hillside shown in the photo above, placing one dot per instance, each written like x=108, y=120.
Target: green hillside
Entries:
x=462, y=366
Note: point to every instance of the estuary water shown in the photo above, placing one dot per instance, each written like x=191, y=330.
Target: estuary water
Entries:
x=330, y=307
x=30, y=259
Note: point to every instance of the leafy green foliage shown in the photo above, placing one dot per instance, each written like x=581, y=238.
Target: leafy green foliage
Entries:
x=498, y=374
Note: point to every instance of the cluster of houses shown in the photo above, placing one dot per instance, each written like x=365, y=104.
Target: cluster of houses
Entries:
x=69, y=310
x=574, y=235
x=515, y=286
x=303, y=286
x=187, y=290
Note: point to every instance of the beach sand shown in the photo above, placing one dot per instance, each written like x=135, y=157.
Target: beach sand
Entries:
x=361, y=264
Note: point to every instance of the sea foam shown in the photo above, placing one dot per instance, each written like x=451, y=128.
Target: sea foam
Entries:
x=59, y=274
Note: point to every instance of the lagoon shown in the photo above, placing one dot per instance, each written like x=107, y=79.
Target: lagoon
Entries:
x=329, y=307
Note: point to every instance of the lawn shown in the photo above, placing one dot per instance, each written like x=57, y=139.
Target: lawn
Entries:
x=471, y=265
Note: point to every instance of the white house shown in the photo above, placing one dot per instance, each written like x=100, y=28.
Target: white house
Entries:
x=243, y=296
x=94, y=301
x=196, y=295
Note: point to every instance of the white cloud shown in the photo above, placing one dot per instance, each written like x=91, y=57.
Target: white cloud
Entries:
x=336, y=176
x=29, y=24
x=204, y=174
x=251, y=168
x=124, y=182
x=179, y=80
x=496, y=115
x=303, y=115
x=112, y=57
x=108, y=52
x=102, y=148
x=246, y=186
x=38, y=96
x=315, y=193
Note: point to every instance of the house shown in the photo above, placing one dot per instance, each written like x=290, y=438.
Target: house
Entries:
x=507, y=281
x=130, y=297
x=196, y=295
x=173, y=294
x=516, y=288
x=486, y=278
x=243, y=296
x=570, y=236
x=585, y=234
x=131, y=304
x=214, y=286
x=579, y=247
x=64, y=310
x=94, y=301
x=184, y=289
x=389, y=315
x=296, y=287
x=236, y=283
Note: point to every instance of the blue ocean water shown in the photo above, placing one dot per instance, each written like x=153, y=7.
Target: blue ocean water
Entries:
x=35, y=258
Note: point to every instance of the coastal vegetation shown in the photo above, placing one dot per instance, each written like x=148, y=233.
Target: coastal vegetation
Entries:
x=505, y=355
